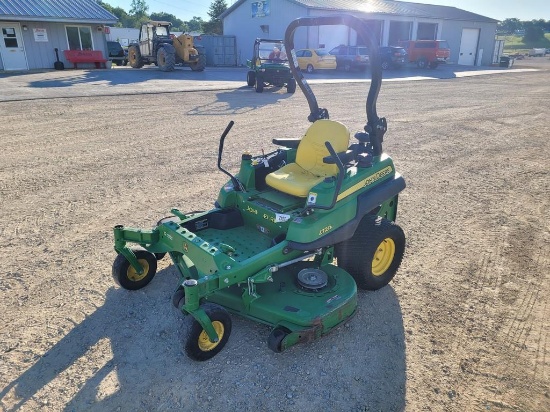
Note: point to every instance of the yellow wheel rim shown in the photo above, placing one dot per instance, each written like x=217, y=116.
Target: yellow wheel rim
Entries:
x=133, y=275
x=132, y=56
x=204, y=342
x=383, y=257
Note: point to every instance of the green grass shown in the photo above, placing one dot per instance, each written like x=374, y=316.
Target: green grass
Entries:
x=515, y=44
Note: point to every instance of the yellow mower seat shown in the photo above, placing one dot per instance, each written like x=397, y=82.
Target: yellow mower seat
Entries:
x=298, y=178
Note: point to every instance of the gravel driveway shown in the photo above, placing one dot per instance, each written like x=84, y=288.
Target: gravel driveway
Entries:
x=464, y=326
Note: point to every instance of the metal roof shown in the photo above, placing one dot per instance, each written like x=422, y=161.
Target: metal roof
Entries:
x=87, y=11
x=401, y=8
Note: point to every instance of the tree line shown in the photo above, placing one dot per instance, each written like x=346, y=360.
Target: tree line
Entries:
x=530, y=30
x=138, y=14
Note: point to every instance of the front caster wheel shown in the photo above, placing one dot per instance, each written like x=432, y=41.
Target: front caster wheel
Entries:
x=178, y=298
x=197, y=344
x=125, y=274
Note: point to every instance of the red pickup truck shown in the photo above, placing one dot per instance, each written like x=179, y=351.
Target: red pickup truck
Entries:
x=427, y=53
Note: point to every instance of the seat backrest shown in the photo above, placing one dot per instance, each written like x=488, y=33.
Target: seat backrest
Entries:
x=312, y=149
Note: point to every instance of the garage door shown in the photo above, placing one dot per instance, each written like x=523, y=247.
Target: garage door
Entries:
x=468, y=47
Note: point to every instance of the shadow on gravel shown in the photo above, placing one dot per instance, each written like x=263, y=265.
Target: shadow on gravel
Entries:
x=241, y=100
x=134, y=343
x=113, y=77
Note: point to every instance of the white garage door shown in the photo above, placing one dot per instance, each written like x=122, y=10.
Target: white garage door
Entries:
x=468, y=47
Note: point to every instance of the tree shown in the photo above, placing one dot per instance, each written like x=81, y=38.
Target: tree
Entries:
x=510, y=25
x=215, y=25
x=124, y=20
x=139, y=8
x=195, y=24
x=533, y=32
x=177, y=24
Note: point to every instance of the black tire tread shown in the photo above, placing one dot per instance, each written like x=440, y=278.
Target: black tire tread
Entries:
x=121, y=265
x=194, y=329
x=355, y=255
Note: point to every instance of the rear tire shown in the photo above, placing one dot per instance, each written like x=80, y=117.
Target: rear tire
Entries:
x=422, y=63
x=250, y=78
x=291, y=86
x=259, y=85
x=166, y=61
x=134, y=57
x=373, y=254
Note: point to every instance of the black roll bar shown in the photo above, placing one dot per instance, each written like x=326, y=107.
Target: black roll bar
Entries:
x=376, y=127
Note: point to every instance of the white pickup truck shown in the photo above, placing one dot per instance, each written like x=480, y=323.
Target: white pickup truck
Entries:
x=537, y=52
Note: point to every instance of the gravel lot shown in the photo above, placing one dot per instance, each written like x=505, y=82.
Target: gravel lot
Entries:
x=464, y=326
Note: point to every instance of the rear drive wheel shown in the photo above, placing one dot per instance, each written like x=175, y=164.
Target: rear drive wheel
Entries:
x=422, y=63
x=291, y=86
x=374, y=253
x=134, y=57
x=197, y=344
x=166, y=60
x=259, y=85
x=250, y=78
x=129, y=278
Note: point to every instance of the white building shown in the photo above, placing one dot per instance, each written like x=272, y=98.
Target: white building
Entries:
x=32, y=30
x=471, y=37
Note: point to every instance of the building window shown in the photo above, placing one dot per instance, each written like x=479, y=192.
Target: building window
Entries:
x=79, y=37
x=426, y=31
x=399, y=30
x=10, y=38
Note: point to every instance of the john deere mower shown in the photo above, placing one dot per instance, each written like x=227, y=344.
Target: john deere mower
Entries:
x=291, y=236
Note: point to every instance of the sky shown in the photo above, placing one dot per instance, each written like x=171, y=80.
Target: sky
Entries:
x=495, y=9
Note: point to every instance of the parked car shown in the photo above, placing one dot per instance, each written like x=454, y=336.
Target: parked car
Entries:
x=351, y=57
x=427, y=53
x=392, y=57
x=315, y=59
x=117, y=53
x=537, y=52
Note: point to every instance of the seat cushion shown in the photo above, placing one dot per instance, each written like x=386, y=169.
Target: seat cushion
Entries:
x=293, y=180
x=298, y=178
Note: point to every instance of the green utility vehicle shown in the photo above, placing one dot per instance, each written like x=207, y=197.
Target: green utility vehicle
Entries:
x=292, y=235
x=269, y=66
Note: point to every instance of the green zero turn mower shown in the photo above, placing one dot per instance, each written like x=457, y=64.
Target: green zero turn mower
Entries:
x=292, y=235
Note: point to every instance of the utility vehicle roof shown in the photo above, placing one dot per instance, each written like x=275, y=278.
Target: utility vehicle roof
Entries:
x=158, y=23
